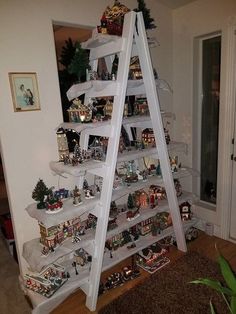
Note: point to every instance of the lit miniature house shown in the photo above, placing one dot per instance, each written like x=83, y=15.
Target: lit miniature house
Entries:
x=146, y=226
x=55, y=235
x=141, y=106
x=185, y=211
x=62, y=143
x=141, y=199
x=48, y=281
x=108, y=109
x=148, y=137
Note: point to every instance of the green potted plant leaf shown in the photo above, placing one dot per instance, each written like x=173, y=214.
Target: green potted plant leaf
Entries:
x=228, y=292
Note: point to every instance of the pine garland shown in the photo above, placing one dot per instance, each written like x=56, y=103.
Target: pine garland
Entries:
x=148, y=21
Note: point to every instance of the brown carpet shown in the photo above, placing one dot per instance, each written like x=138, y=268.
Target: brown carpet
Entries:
x=169, y=291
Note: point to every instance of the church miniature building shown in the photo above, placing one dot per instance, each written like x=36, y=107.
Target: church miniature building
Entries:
x=62, y=143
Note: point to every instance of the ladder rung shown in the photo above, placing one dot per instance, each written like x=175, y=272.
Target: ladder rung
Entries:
x=98, y=171
x=106, y=131
x=94, y=88
x=108, y=49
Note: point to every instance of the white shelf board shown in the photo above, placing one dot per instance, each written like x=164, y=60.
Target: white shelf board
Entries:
x=121, y=253
x=98, y=40
x=145, y=213
x=36, y=261
x=136, y=121
x=99, y=88
x=95, y=88
x=79, y=127
x=69, y=211
x=76, y=171
x=153, y=179
x=43, y=305
x=32, y=249
x=133, y=154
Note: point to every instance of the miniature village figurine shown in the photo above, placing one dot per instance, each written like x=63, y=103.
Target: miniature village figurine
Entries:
x=89, y=194
x=76, y=197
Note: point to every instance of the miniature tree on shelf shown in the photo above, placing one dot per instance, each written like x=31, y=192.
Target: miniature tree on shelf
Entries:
x=39, y=193
x=130, y=202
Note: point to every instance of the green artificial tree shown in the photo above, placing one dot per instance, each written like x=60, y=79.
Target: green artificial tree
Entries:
x=67, y=53
x=66, y=79
x=130, y=202
x=39, y=193
x=79, y=63
x=148, y=21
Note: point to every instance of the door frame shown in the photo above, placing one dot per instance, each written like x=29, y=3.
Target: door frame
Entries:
x=226, y=126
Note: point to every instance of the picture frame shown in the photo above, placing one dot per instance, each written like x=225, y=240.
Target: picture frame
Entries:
x=24, y=90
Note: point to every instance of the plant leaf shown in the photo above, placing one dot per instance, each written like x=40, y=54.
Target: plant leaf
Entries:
x=233, y=304
x=227, y=273
x=212, y=308
x=214, y=284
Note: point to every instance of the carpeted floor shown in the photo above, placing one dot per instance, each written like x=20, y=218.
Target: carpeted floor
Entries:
x=169, y=291
x=12, y=300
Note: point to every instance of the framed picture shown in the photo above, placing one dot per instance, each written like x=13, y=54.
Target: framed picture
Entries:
x=24, y=90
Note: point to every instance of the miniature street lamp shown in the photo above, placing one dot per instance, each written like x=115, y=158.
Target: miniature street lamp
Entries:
x=62, y=143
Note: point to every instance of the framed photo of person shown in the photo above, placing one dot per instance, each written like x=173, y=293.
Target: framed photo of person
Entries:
x=24, y=90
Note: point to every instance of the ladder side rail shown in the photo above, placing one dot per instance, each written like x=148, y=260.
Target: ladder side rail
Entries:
x=112, y=152
x=154, y=107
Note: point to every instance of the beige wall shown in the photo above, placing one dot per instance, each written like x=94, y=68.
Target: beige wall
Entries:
x=199, y=18
x=28, y=140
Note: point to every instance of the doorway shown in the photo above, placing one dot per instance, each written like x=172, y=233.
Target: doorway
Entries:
x=66, y=38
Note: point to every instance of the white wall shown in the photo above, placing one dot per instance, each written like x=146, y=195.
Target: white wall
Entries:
x=196, y=19
x=28, y=140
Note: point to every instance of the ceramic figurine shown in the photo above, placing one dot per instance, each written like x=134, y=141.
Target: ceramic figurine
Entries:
x=76, y=196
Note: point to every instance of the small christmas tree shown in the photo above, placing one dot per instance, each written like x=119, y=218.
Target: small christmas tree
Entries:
x=130, y=202
x=39, y=193
x=148, y=21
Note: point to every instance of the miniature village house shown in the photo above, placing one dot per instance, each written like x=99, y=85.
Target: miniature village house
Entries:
x=185, y=210
x=145, y=226
x=55, y=235
x=141, y=106
x=148, y=137
x=141, y=199
x=48, y=281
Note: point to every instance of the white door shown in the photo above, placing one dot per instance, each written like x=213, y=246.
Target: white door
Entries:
x=227, y=173
x=232, y=226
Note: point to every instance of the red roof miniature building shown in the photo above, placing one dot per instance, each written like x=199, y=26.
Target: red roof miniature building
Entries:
x=55, y=235
x=112, y=19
